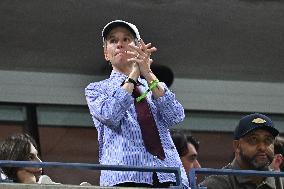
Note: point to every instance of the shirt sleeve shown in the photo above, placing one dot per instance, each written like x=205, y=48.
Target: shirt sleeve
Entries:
x=107, y=105
x=170, y=110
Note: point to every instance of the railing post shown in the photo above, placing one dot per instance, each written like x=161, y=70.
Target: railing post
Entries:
x=192, y=179
x=178, y=179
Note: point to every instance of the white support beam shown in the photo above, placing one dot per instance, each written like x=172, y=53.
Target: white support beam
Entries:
x=240, y=96
x=209, y=95
x=46, y=88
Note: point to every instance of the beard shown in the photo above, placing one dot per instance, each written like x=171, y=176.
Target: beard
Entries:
x=252, y=161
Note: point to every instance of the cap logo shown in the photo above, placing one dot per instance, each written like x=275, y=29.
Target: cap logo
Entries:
x=258, y=120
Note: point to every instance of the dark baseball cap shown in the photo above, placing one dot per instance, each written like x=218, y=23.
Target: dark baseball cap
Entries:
x=253, y=122
x=113, y=24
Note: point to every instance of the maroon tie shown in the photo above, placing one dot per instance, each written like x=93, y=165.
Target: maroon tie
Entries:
x=150, y=133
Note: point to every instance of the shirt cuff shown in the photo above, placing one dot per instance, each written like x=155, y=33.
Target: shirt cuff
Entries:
x=168, y=97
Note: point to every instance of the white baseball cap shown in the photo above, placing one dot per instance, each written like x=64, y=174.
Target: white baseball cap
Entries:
x=131, y=27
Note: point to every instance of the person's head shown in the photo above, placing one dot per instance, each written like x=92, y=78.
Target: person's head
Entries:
x=254, y=141
x=187, y=148
x=20, y=147
x=277, y=163
x=117, y=35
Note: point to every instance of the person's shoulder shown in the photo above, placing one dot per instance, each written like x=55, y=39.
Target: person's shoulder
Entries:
x=98, y=84
x=216, y=181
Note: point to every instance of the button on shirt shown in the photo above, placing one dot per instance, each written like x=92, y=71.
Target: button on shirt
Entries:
x=119, y=135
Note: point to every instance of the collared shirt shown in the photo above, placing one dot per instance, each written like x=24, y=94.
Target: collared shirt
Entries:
x=119, y=135
x=239, y=182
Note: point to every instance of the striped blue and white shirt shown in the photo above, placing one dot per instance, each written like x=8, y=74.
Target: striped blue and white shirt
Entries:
x=119, y=135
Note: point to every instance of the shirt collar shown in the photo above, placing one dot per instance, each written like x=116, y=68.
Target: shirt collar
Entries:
x=117, y=74
x=120, y=77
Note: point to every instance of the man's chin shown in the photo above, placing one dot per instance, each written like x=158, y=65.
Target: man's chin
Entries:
x=261, y=165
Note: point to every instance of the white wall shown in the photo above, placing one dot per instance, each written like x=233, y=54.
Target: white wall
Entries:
x=208, y=95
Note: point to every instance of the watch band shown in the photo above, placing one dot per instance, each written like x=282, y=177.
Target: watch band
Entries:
x=130, y=80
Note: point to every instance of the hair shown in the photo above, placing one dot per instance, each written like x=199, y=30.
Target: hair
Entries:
x=193, y=141
x=16, y=147
x=279, y=149
x=180, y=141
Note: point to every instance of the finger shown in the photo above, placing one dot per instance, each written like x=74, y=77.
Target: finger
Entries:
x=132, y=53
x=148, y=45
x=153, y=49
x=146, y=48
x=151, y=61
x=136, y=49
x=132, y=47
x=150, y=50
x=134, y=60
x=143, y=46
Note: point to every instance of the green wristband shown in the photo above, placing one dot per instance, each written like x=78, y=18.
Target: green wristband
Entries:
x=153, y=84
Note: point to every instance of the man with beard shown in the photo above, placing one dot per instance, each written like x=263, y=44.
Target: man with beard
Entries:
x=254, y=150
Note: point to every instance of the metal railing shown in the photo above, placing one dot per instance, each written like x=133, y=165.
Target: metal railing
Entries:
x=193, y=172
x=88, y=166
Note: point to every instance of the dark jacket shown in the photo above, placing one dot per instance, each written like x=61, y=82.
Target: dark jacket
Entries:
x=239, y=182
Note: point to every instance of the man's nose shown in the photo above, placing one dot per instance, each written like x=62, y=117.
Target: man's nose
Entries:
x=262, y=146
x=120, y=44
x=196, y=164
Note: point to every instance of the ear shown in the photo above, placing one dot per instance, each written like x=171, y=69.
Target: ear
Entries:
x=105, y=53
x=236, y=145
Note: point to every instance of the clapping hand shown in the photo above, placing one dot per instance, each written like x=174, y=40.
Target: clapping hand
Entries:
x=141, y=56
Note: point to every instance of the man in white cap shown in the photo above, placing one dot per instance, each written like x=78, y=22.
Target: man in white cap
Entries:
x=133, y=111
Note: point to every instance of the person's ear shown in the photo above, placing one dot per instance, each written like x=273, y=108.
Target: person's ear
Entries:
x=236, y=145
x=106, y=55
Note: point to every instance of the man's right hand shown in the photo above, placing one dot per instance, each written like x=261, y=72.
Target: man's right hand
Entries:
x=135, y=73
